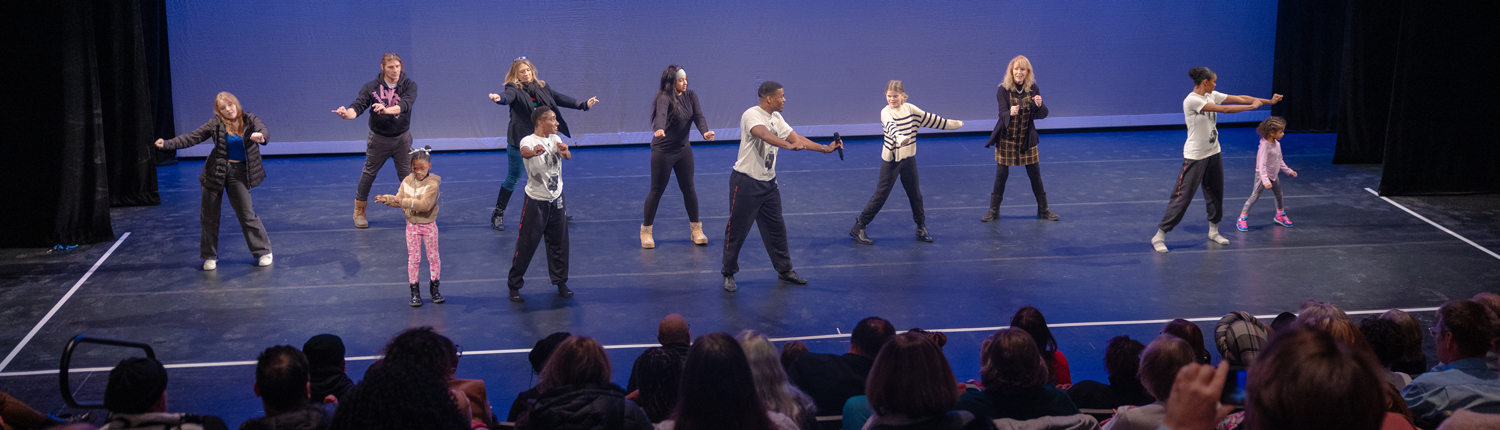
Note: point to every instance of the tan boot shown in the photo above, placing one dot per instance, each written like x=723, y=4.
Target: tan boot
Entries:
x=698, y=237
x=646, y=240
x=359, y=214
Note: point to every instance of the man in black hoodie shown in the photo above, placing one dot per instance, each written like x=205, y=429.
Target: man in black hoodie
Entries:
x=389, y=98
x=832, y=379
x=282, y=385
x=325, y=360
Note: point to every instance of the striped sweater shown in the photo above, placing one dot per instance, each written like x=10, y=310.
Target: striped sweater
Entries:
x=901, y=129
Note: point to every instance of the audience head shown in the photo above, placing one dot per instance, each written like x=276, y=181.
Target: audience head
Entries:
x=869, y=335
x=718, y=390
x=543, y=350
x=1313, y=309
x=1342, y=330
x=1160, y=363
x=1122, y=358
x=673, y=329
x=1464, y=329
x=658, y=373
x=1411, y=331
x=281, y=379
x=424, y=348
x=136, y=386
x=911, y=377
x=1306, y=379
x=1189, y=332
x=1010, y=359
x=399, y=395
x=776, y=393
x=325, y=353
x=578, y=360
x=790, y=351
x=1030, y=319
x=939, y=337
x=1239, y=337
x=1283, y=321
x=1489, y=300
x=1385, y=340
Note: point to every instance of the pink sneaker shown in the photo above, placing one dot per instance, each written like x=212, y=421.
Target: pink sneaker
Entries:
x=1242, y=224
x=1282, y=219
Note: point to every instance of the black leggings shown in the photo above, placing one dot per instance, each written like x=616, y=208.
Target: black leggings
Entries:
x=662, y=165
x=1033, y=171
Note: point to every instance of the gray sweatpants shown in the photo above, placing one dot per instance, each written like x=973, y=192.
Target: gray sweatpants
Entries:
x=377, y=150
x=239, y=199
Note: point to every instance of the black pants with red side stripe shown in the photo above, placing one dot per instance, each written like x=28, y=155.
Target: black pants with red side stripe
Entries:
x=541, y=219
x=1208, y=172
x=757, y=202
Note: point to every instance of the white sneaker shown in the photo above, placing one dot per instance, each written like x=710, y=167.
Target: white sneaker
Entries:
x=210, y=264
x=265, y=260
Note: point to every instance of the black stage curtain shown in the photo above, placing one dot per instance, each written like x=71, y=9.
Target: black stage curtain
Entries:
x=1437, y=141
x=159, y=73
x=1310, y=37
x=1369, y=63
x=126, y=111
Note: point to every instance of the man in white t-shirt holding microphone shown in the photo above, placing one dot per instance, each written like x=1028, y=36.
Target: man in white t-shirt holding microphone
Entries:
x=753, y=195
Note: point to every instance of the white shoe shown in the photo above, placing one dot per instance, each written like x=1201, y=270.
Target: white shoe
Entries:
x=209, y=265
x=265, y=260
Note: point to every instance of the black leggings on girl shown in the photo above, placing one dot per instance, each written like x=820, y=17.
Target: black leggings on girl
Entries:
x=663, y=163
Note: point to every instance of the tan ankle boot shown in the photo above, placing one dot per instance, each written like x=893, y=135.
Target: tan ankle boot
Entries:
x=359, y=214
x=646, y=240
x=698, y=237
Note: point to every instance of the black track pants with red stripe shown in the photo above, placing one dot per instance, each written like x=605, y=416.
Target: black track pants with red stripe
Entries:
x=1208, y=172
x=540, y=220
x=758, y=202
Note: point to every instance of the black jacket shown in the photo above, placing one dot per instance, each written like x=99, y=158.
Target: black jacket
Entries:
x=217, y=165
x=405, y=96
x=584, y=407
x=307, y=418
x=327, y=382
x=1004, y=122
x=831, y=379
x=520, y=110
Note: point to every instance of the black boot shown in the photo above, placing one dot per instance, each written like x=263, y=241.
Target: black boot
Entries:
x=729, y=284
x=858, y=233
x=515, y=295
x=1042, y=211
x=994, y=212
x=433, y=291
x=562, y=290
x=497, y=219
x=416, y=295
x=791, y=276
x=922, y=234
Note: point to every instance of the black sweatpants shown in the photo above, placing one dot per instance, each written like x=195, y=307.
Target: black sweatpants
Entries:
x=1208, y=172
x=540, y=220
x=663, y=163
x=906, y=169
x=1033, y=172
x=378, y=149
x=758, y=202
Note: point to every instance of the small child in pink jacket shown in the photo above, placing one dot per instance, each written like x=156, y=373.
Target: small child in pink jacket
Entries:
x=1268, y=169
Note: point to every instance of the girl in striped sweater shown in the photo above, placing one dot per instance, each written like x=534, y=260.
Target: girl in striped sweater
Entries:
x=899, y=159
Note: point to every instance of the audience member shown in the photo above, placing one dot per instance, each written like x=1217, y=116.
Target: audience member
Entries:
x=136, y=397
x=939, y=337
x=911, y=387
x=326, y=368
x=718, y=391
x=400, y=395
x=1016, y=383
x=425, y=348
x=1188, y=331
x=1030, y=319
x=282, y=383
x=1313, y=309
x=1491, y=301
x=576, y=392
x=1464, y=331
x=832, y=379
x=673, y=334
x=1122, y=358
x=1307, y=379
x=538, y=357
x=15, y=414
x=660, y=371
x=1239, y=337
x=1345, y=333
x=1413, y=360
x=789, y=353
x=1283, y=321
x=1159, y=366
x=776, y=393
x=1386, y=341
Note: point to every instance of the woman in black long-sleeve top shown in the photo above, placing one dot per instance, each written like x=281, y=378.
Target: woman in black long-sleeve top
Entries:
x=232, y=168
x=1015, y=136
x=673, y=115
x=525, y=93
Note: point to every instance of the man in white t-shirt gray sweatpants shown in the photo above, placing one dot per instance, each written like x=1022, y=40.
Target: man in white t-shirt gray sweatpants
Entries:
x=753, y=195
x=1202, y=164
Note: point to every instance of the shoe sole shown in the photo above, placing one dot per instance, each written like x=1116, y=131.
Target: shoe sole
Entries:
x=1284, y=224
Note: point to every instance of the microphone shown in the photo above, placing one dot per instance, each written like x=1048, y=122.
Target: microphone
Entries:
x=836, y=138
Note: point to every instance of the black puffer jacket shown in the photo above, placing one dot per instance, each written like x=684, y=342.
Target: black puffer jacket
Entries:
x=217, y=165
x=584, y=407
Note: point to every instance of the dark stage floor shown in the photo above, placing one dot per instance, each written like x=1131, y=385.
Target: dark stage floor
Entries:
x=1095, y=266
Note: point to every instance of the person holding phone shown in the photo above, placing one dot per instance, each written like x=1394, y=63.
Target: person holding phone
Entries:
x=1159, y=365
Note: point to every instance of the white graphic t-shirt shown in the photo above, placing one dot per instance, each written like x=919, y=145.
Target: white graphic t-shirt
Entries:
x=1203, y=127
x=758, y=158
x=543, y=172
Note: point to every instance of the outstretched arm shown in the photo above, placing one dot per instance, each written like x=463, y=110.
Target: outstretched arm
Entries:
x=192, y=138
x=806, y=143
x=765, y=134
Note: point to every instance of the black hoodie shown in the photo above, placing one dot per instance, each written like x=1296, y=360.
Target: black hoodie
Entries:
x=404, y=95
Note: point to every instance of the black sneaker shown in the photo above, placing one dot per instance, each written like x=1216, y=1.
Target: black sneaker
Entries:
x=433, y=291
x=416, y=295
x=791, y=276
x=922, y=234
x=729, y=284
x=562, y=290
x=515, y=295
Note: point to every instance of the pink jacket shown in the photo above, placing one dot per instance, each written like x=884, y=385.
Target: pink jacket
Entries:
x=1268, y=163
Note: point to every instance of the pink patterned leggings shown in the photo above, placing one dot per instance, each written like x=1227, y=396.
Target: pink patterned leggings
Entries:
x=416, y=236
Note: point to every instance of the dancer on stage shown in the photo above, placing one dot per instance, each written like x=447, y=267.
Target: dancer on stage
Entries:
x=753, y=195
x=1015, y=138
x=542, y=211
x=232, y=168
x=418, y=200
x=899, y=159
x=525, y=93
x=672, y=116
x=389, y=98
x=1268, y=169
x=1202, y=164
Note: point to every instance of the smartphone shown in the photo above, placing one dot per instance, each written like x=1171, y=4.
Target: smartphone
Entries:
x=1234, y=387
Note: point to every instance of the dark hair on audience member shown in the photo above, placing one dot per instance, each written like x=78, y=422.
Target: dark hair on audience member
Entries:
x=1009, y=359
x=543, y=350
x=1472, y=326
x=1385, y=339
x=912, y=378
x=281, y=376
x=399, y=396
x=1305, y=379
x=1342, y=330
x=423, y=347
x=425, y=155
x=669, y=79
x=1030, y=319
x=871, y=334
x=1489, y=300
x=1270, y=125
x=939, y=337
x=767, y=88
x=135, y=385
x=1411, y=330
x=658, y=374
x=536, y=115
x=1189, y=332
x=1122, y=358
x=1282, y=322
x=718, y=391
x=577, y=360
x=791, y=351
x=1160, y=362
x=1200, y=74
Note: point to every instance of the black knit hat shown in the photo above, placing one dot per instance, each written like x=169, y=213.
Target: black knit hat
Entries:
x=324, y=351
x=135, y=385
